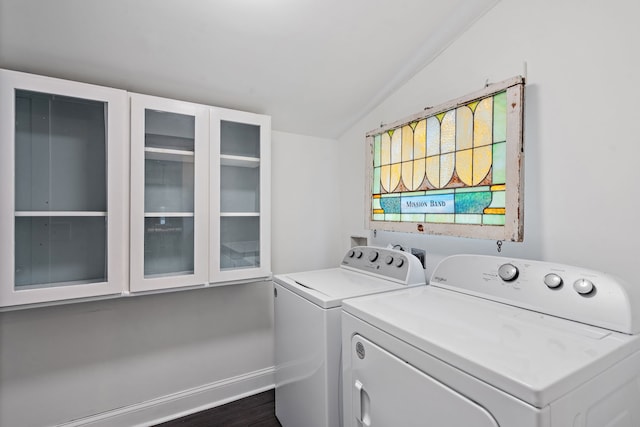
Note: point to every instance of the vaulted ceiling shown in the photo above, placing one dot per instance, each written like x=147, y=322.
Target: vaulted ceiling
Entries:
x=316, y=66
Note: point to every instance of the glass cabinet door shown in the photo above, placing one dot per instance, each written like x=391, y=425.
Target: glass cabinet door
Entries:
x=63, y=145
x=169, y=152
x=240, y=196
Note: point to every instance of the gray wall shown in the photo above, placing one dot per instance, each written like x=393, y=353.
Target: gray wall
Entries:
x=71, y=361
x=581, y=136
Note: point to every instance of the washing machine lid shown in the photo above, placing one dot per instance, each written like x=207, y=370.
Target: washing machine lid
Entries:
x=327, y=288
x=534, y=357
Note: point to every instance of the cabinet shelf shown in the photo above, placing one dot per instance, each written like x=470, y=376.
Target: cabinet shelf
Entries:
x=60, y=284
x=168, y=214
x=163, y=141
x=168, y=154
x=240, y=214
x=58, y=213
x=239, y=161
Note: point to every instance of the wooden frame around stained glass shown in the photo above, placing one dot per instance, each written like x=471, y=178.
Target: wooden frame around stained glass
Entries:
x=455, y=169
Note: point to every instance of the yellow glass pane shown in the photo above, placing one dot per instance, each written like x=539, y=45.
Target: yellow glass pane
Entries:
x=385, y=177
x=433, y=136
x=407, y=143
x=447, y=165
x=482, y=123
x=396, y=147
x=394, y=179
x=473, y=105
x=448, y=132
x=385, y=149
x=433, y=170
x=464, y=166
x=481, y=163
x=420, y=140
x=464, y=128
x=418, y=173
x=407, y=174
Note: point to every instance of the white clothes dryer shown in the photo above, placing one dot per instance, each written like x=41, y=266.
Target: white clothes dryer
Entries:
x=308, y=334
x=495, y=342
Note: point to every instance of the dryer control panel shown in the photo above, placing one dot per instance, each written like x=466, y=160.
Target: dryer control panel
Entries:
x=390, y=264
x=573, y=293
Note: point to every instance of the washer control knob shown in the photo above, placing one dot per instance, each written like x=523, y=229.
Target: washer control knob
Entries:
x=388, y=259
x=552, y=280
x=351, y=253
x=583, y=286
x=358, y=254
x=508, y=272
x=399, y=262
x=373, y=256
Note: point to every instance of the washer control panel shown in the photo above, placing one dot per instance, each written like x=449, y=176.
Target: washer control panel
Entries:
x=573, y=293
x=390, y=264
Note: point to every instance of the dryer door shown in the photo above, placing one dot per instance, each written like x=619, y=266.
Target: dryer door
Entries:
x=387, y=391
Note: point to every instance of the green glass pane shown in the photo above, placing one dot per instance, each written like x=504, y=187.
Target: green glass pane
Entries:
x=392, y=217
x=376, y=150
x=391, y=205
x=441, y=218
x=378, y=217
x=500, y=117
x=413, y=193
x=467, y=203
x=435, y=192
x=468, y=219
x=473, y=189
x=376, y=181
x=498, y=198
x=376, y=204
x=493, y=219
x=413, y=217
x=499, y=173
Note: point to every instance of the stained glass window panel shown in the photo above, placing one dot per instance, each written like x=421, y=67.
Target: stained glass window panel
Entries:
x=455, y=165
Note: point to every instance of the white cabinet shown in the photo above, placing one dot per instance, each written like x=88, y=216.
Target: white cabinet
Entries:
x=169, y=193
x=240, y=196
x=63, y=187
x=104, y=192
x=199, y=195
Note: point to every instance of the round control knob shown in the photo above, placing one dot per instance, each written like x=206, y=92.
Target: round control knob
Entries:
x=583, y=286
x=351, y=253
x=373, y=256
x=388, y=259
x=508, y=272
x=552, y=280
x=399, y=262
x=358, y=254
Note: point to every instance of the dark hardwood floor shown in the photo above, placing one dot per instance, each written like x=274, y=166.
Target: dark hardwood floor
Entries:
x=253, y=411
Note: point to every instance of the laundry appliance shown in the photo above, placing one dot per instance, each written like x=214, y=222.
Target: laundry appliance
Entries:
x=308, y=334
x=495, y=342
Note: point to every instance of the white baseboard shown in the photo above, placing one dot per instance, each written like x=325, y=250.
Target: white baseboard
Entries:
x=183, y=403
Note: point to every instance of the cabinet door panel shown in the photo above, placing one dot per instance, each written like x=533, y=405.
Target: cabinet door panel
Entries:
x=62, y=217
x=239, y=189
x=60, y=145
x=238, y=138
x=168, y=246
x=60, y=251
x=240, y=192
x=169, y=193
x=239, y=243
x=169, y=186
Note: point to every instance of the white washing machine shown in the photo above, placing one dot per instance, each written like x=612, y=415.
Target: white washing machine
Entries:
x=495, y=342
x=308, y=334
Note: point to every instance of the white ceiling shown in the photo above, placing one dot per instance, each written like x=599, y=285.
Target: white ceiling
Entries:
x=316, y=66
